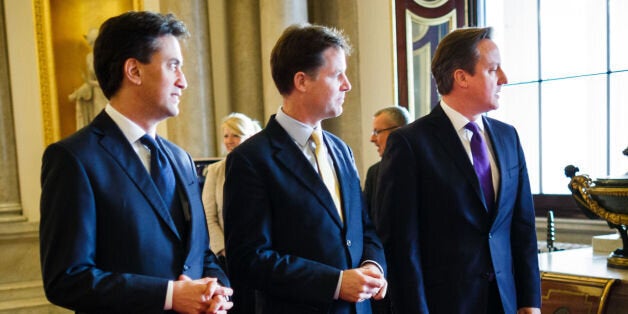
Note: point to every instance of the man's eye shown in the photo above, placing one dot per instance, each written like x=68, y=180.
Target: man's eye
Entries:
x=174, y=66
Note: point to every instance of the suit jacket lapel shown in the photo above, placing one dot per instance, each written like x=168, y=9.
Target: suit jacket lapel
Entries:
x=114, y=142
x=288, y=154
x=341, y=169
x=498, y=146
x=182, y=181
x=450, y=142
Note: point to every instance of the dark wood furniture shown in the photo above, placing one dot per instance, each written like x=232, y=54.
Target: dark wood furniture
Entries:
x=578, y=281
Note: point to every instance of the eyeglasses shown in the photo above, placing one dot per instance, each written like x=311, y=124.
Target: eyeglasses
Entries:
x=376, y=132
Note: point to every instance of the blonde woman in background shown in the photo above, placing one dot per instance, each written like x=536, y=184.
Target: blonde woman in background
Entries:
x=236, y=128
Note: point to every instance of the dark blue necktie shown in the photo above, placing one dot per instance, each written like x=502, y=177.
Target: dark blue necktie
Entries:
x=163, y=176
x=482, y=165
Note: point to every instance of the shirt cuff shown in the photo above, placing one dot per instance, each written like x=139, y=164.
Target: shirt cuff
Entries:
x=337, y=292
x=169, y=292
x=368, y=261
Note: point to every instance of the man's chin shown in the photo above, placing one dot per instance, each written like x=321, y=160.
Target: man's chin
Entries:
x=339, y=111
x=174, y=110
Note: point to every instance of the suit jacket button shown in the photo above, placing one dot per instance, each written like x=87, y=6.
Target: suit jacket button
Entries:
x=186, y=267
x=490, y=236
x=348, y=242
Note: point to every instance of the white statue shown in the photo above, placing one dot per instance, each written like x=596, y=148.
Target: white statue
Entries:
x=89, y=98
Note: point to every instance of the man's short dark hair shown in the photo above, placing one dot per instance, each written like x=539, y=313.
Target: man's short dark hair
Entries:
x=300, y=49
x=130, y=35
x=457, y=50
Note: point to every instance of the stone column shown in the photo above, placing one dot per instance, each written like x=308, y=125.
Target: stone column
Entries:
x=342, y=14
x=245, y=70
x=194, y=128
x=276, y=15
x=10, y=206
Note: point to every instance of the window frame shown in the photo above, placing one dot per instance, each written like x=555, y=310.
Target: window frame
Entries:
x=475, y=16
x=564, y=203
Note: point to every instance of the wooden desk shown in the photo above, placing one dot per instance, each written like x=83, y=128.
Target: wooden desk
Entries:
x=583, y=262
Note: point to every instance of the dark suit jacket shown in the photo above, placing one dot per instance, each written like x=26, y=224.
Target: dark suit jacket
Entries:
x=284, y=236
x=370, y=190
x=440, y=241
x=108, y=242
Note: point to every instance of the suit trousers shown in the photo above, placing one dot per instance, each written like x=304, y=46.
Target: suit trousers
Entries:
x=494, y=302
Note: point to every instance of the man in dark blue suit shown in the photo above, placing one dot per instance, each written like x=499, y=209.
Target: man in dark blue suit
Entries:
x=385, y=121
x=111, y=240
x=457, y=243
x=296, y=226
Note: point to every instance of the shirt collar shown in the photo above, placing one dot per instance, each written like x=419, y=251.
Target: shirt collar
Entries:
x=458, y=120
x=298, y=131
x=131, y=131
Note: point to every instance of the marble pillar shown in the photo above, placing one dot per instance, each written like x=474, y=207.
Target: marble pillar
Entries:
x=276, y=15
x=342, y=14
x=244, y=48
x=10, y=207
x=193, y=129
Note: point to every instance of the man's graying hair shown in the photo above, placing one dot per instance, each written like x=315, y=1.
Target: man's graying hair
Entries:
x=398, y=115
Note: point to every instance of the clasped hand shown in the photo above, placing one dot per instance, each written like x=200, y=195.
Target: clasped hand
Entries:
x=203, y=295
x=363, y=283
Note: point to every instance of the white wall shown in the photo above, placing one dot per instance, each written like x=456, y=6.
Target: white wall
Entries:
x=25, y=93
x=377, y=67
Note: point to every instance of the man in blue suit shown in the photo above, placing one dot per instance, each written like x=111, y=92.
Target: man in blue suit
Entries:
x=296, y=226
x=111, y=242
x=453, y=245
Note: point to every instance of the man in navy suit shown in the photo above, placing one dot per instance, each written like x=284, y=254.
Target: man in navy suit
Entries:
x=305, y=247
x=385, y=121
x=451, y=248
x=110, y=241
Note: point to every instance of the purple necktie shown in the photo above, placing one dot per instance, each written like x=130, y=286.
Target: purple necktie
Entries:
x=481, y=164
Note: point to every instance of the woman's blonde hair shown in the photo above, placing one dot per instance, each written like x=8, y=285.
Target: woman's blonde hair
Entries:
x=241, y=124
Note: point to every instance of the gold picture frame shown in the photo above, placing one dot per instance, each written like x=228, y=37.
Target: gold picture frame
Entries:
x=60, y=27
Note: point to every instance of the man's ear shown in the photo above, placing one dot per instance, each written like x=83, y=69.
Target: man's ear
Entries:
x=461, y=77
x=132, y=71
x=300, y=81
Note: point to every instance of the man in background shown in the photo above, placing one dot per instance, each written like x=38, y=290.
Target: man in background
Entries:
x=457, y=217
x=296, y=227
x=122, y=224
x=385, y=121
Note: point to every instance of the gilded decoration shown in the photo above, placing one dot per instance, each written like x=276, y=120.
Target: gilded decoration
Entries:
x=606, y=198
x=61, y=28
x=422, y=37
x=430, y=3
x=574, y=294
x=590, y=195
